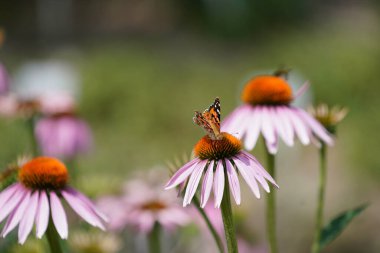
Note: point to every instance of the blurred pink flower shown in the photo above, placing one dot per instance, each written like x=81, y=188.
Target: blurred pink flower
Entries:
x=56, y=103
x=63, y=136
x=267, y=110
x=4, y=80
x=142, y=205
x=35, y=198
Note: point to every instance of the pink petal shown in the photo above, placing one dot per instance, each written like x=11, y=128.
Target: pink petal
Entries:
x=233, y=181
x=82, y=209
x=280, y=127
x=219, y=184
x=287, y=125
x=12, y=202
x=27, y=221
x=16, y=215
x=88, y=202
x=59, y=216
x=253, y=128
x=207, y=184
x=267, y=126
x=193, y=182
x=42, y=217
x=301, y=90
x=248, y=176
x=299, y=126
x=6, y=194
x=182, y=174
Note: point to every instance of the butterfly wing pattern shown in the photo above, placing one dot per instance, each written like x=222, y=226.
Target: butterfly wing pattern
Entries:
x=209, y=120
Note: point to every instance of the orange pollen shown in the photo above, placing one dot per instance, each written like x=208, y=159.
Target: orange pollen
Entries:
x=43, y=173
x=209, y=149
x=153, y=206
x=267, y=90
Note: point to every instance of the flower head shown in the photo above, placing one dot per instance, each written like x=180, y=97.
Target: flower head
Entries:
x=267, y=110
x=35, y=198
x=329, y=117
x=141, y=205
x=218, y=156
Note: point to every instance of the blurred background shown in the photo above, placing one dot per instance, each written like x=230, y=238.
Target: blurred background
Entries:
x=139, y=68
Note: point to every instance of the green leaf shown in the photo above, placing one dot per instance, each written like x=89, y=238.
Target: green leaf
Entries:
x=338, y=224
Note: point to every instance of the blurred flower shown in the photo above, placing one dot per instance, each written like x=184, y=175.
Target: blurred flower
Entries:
x=35, y=198
x=218, y=156
x=141, y=205
x=267, y=110
x=4, y=80
x=94, y=242
x=329, y=117
x=63, y=135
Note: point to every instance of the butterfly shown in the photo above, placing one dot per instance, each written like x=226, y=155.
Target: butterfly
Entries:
x=209, y=120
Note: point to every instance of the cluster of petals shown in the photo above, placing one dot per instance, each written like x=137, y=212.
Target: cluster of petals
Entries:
x=25, y=207
x=141, y=205
x=242, y=163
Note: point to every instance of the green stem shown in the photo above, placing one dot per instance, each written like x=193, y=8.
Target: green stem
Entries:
x=321, y=200
x=53, y=239
x=228, y=221
x=30, y=122
x=213, y=232
x=154, y=239
x=271, y=206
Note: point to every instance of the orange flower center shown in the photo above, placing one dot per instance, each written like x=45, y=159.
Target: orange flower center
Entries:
x=43, y=173
x=269, y=90
x=153, y=206
x=209, y=149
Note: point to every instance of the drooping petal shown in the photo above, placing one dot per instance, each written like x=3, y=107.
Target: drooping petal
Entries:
x=7, y=193
x=17, y=214
x=82, y=209
x=12, y=202
x=301, y=90
x=267, y=126
x=59, y=216
x=233, y=181
x=219, y=184
x=42, y=216
x=248, y=176
x=253, y=132
x=207, y=184
x=26, y=223
x=182, y=174
x=280, y=127
x=193, y=182
x=299, y=126
x=287, y=125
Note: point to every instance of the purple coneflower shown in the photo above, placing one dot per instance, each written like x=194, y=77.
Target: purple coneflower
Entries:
x=267, y=109
x=63, y=135
x=35, y=199
x=141, y=206
x=217, y=159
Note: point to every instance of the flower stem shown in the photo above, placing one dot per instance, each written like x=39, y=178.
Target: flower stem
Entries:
x=321, y=199
x=154, y=239
x=228, y=221
x=213, y=232
x=53, y=239
x=30, y=123
x=271, y=206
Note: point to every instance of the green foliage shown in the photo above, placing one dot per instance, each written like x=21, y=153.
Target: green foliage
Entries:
x=338, y=224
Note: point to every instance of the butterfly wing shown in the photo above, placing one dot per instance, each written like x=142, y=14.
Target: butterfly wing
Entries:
x=209, y=120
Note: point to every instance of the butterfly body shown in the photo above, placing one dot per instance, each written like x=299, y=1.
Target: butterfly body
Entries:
x=209, y=120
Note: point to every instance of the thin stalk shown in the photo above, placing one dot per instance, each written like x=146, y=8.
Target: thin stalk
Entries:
x=321, y=199
x=271, y=206
x=53, y=239
x=154, y=239
x=213, y=232
x=228, y=221
x=30, y=123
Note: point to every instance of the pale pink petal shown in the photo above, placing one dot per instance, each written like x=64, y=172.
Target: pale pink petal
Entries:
x=207, y=184
x=6, y=194
x=88, y=202
x=287, y=125
x=233, y=181
x=299, y=126
x=267, y=126
x=16, y=215
x=246, y=173
x=42, y=217
x=193, y=182
x=280, y=127
x=235, y=122
x=182, y=174
x=145, y=222
x=302, y=90
x=219, y=184
x=12, y=202
x=82, y=209
x=253, y=128
x=59, y=216
x=26, y=223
